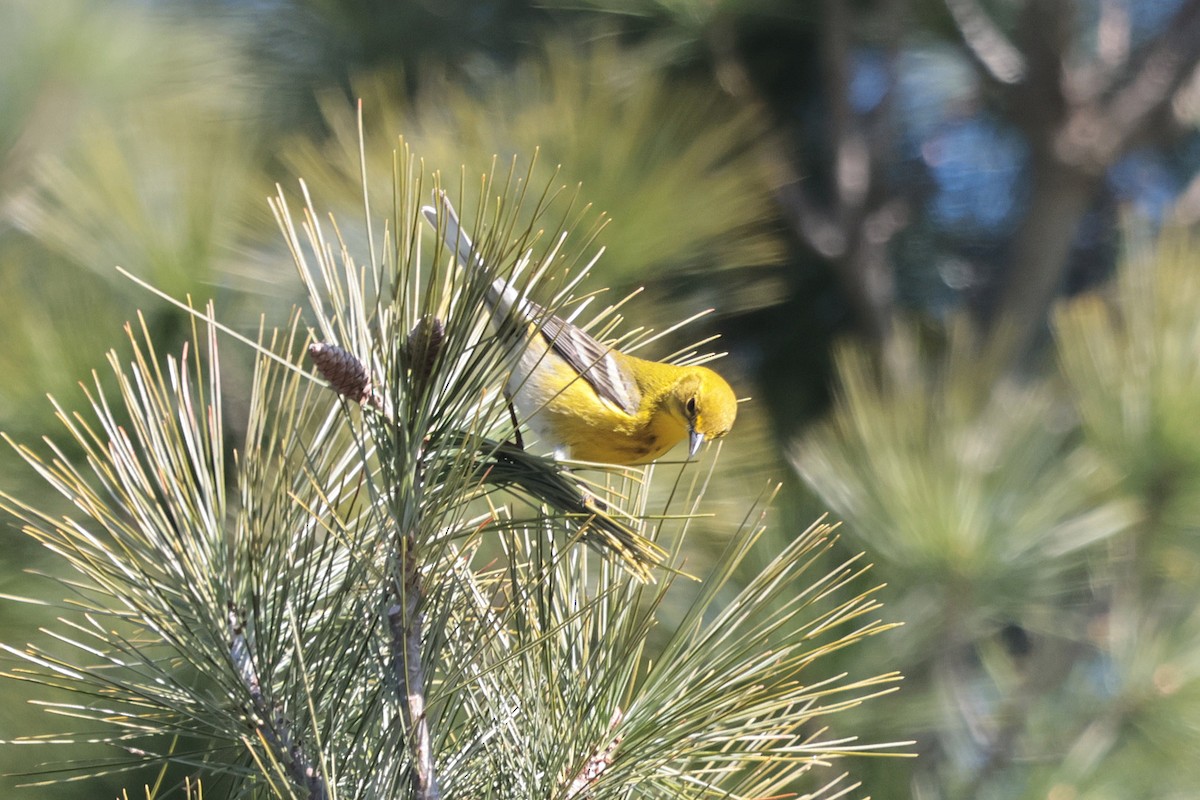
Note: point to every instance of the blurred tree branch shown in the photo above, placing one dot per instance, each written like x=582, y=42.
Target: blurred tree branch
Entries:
x=1078, y=121
x=986, y=42
x=1079, y=117
x=853, y=227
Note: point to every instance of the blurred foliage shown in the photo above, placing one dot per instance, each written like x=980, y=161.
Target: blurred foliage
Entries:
x=126, y=137
x=45, y=351
x=164, y=192
x=978, y=498
x=657, y=155
x=1133, y=367
x=64, y=63
x=1044, y=561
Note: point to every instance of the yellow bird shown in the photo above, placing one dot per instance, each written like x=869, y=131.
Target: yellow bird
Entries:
x=588, y=401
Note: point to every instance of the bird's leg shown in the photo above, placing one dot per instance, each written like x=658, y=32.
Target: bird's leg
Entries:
x=512, y=414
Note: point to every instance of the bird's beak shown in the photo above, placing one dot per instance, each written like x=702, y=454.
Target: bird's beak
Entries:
x=695, y=439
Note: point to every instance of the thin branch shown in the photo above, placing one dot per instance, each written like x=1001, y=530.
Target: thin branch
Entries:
x=271, y=725
x=1113, y=33
x=1097, y=134
x=812, y=225
x=597, y=763
x=852, y=163
x=1073, y=144
x=853, y=228
x=999, y=58
x=406, y=621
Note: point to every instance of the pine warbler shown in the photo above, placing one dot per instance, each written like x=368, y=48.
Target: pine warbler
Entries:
x=588, y=401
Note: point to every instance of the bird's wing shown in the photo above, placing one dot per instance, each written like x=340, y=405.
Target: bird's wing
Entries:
x=594, y=362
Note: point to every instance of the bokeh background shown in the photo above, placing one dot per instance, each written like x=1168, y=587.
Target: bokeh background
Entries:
x=946, y=241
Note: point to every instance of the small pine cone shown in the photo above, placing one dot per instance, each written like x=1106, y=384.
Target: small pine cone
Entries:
x=422, y=347
x=346, y=374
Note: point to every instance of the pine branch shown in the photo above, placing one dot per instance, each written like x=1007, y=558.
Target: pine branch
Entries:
x=271, y=725
x=406, y=622
x=597, y=763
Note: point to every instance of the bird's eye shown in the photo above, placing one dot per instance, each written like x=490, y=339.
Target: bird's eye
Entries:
x=691, y=406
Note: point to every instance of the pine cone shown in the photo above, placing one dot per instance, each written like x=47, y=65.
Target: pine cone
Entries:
x=422, y=347
x=346, y=374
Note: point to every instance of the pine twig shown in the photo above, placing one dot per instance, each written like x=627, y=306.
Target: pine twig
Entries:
x=405, y=618
x=600, y=760
x=348, y=376
x=271, y=725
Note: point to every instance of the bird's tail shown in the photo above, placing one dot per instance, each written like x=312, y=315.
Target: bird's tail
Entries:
x=454, y=237
x=502, y=296
x=546, y=483
x=596, y=523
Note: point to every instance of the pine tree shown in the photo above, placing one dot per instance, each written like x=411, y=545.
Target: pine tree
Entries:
x=378, y=594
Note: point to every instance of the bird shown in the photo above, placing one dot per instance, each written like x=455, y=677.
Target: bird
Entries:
x=588, y=401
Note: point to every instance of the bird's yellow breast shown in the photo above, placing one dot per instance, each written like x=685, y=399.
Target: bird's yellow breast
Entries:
x=567, y=414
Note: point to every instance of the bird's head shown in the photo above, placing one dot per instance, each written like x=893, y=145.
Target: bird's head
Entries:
x=706, y=404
